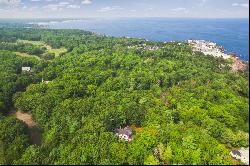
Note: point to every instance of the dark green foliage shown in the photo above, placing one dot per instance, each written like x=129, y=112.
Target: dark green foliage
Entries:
x=48, y=56
x=22, y=47
x=13, y=139
x=12, y=78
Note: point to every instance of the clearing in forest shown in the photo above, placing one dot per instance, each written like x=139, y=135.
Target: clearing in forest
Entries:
x=56, y=51
x=26, y=54
x=34, y=131
x=26, y=118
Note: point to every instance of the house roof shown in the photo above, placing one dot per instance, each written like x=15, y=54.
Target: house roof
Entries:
x=25, y=68
x=127, y=131
x=236, y=152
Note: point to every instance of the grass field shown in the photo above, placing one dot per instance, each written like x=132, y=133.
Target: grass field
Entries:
x=43, y=44
x=57, y=51
x=26, y=54
x=38, y=43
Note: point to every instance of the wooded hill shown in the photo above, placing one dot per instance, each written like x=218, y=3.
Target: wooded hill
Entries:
x=184, y=107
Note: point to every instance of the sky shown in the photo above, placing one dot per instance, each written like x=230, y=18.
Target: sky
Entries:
x=124, y=8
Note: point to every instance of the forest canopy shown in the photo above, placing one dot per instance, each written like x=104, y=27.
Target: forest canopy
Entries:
x=184, y=107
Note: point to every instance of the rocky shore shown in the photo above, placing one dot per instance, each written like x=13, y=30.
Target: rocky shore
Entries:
x=210, y=48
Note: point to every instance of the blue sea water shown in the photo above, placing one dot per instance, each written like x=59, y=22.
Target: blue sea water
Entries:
x=232, y=34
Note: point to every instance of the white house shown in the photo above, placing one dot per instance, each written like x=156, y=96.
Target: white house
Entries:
x=28, y=69
x=46, y=82
x=125, y=134
x=242, y=155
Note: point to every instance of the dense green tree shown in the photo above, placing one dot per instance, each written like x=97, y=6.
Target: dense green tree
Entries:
x=13, y=139
x=183, y=107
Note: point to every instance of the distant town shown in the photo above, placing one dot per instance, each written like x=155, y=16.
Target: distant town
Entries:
x=211, y=48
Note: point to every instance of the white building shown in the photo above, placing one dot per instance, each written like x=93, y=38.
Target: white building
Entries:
x=242, y=155
x=46, y=82
x=125, y=134
x=28, y=69
x=208, y=48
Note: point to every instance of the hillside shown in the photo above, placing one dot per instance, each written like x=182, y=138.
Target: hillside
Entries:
x=184, y=107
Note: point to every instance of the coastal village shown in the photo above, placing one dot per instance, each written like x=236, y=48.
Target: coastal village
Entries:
x=145, y=47
x=211, y=48
x=206, y=47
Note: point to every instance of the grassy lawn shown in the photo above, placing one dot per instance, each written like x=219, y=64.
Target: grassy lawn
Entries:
x=26, y=55
x=38, y=43
x=56, y=51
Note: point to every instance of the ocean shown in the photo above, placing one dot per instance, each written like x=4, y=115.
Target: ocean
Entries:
x=232, y=34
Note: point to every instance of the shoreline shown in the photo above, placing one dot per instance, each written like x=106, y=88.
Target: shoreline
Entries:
x=47, y=25
x=212, y=49
x=221, y=52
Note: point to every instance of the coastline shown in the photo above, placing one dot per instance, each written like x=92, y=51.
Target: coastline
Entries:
x=212, y=49
x=221, y=32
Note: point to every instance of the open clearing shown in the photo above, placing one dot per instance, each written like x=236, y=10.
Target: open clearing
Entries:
x=34, y=132
x=26, y=118
x=56, y=51
x=26, y=55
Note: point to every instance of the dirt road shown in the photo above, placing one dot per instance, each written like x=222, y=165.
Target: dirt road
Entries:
x=34, y=132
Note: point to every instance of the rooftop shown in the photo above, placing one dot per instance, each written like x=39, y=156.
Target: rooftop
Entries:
x=127, y=131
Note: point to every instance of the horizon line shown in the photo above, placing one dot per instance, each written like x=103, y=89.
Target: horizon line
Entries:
x=124, y=17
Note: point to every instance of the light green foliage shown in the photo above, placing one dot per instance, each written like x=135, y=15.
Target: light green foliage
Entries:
x=151, y=160
x=29, y=157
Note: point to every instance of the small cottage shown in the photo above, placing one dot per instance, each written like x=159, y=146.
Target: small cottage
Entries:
x=125, y=133
x=236, y=154
x=46, y=82
x=26, y=69
x=242, y=155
